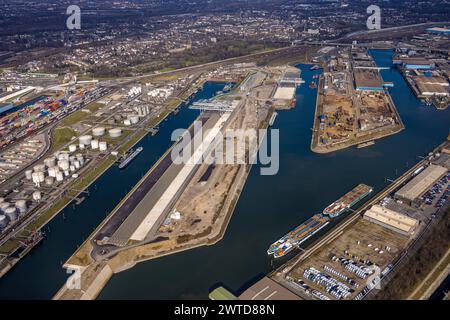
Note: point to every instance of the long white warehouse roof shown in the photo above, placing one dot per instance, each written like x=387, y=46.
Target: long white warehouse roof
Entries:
x=391, y=218
x=417, y=186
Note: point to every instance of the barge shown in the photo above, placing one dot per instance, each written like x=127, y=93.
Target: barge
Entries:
x=130, y=158
x=317, y=222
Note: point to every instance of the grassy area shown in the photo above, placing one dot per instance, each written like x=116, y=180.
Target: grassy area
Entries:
x=129, y=144
x=420, y=264
x=93, y=107
x=61, y=136
x=75, y=117
x=47, y=215
x=166, y=69
x=9, y=246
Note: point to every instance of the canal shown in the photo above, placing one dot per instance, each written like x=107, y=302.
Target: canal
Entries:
x=269, y=206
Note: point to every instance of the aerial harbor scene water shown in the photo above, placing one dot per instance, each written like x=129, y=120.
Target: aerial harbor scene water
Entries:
x=226, y=155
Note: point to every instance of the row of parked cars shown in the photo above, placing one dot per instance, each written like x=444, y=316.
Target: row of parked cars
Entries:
x=436, y=190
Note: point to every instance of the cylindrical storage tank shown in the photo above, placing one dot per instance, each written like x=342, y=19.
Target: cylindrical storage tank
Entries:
x=134, y=119
x=3, y=221
x=28, y=174
x=35, y=177
x=21, y=205
x=98, y=132
x=94, y=144
x=103, y=146
x=63, y=164
x=3, y=206
x=50, y=162
x=127, y=122
x=39, y=168
x=73, y=148
x=59, y=176
x=75, y=175
x=49, y=181
x=81, y=146
x=52, y=171
x=115, y=132
x=86, y=140
x=37, y=196
x=77, y=165
x=11, y=213
x=66, y=173
x=41, y=176
x=63, y=156
x=72, y=168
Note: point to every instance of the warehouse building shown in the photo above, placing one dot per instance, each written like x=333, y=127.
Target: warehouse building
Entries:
x=420, y=184
x=417, y=64
x=392, y=220
x=438, y=30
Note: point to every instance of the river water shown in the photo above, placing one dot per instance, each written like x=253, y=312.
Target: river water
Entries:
x=269, y=206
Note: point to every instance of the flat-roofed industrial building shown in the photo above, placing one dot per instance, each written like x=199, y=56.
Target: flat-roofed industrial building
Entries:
x=392, y=220
x=267, y=289
x=421, y=183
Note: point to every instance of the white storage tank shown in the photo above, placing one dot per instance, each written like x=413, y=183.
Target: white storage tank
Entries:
x=21, y=205
x=59, y=176
x=50, y=162
x=77, y=165
x=41, y=176
x=81, y=146
x=66, y=173
x=63, y=164
x=38, y=178
x=127, y=122
x=3, y=206
x=37, y=196
x=86, y=140
x=52, y=171
x=28, y=174
x=103, y=146
x=115, y=132
x=39, y=168
x=49, y=181
x=3, y=221
x=11, y=213
x=63, y=156
x=72, y=168
x=73, y=148
x=94, y=144
x=75, y=175
x=134, y=119
x=98, y=132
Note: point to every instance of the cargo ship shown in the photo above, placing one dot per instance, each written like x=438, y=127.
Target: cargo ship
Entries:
x=297, y=236
x=347, y=201
x=306, y=230
x=130, y=158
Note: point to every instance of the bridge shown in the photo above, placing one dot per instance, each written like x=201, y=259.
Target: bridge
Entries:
x=213, y=105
